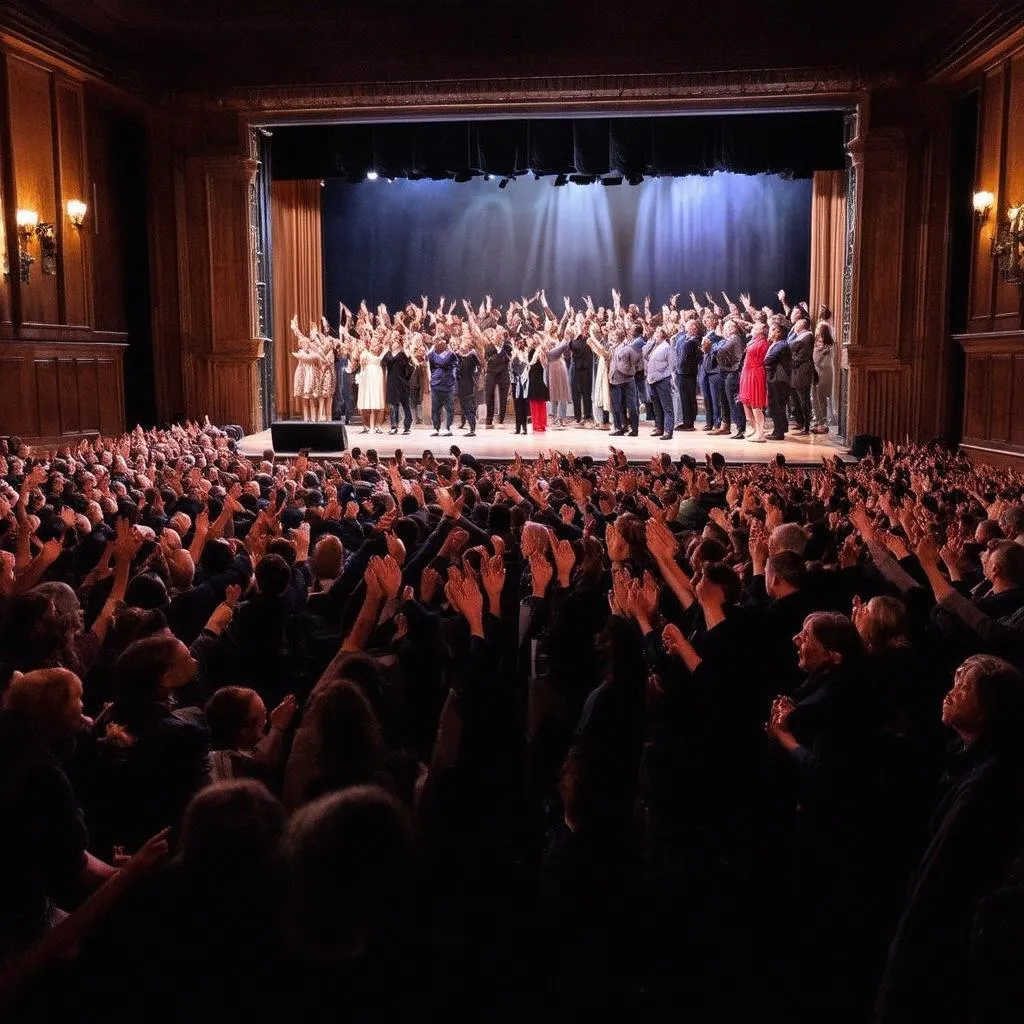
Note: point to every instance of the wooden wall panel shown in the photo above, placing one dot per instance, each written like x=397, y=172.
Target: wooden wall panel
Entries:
x=227, y=201
x=987, y=178
x=976, y=372
x=1000, y=384
x=73, y=178
x=104, y=221
x=31, y=120
x=17, y=409
x=1017, y=385
x=89, y=403
x=47, y=388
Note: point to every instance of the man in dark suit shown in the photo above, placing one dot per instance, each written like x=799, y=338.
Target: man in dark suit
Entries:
x=687, y=344
x=581, y=379
x=777, y=361
x=801, y=348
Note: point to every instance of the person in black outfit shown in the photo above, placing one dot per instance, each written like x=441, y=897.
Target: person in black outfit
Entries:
x=468, y=371
x=687, y=345
x=777, y=362
x=801, y=348
x=497, y=357
x=399, y=368
x=581, y=379
x=976, y=833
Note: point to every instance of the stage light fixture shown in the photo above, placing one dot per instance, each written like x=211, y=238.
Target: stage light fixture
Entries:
x=634, y=179
x=487, y=177
x=582, y=179
x=561, y=180
x=615, y=179
x=371, y=175
x=503, y=183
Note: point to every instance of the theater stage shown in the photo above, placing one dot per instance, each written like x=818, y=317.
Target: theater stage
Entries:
x=501, y=444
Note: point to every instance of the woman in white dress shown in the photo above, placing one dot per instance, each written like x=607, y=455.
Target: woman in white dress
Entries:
x=371, y=387
x=602, y=386
x=303, y=380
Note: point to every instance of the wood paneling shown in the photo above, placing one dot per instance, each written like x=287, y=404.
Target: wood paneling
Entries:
x=994, y=392
x=995, y=304
x=72, y=185
x=31, y=121
x=61, y=390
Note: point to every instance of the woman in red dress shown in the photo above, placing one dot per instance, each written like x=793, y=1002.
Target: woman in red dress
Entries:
x=753, y=382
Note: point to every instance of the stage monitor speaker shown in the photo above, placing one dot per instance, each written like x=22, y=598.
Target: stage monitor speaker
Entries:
x=864, y=444
x=292, y=436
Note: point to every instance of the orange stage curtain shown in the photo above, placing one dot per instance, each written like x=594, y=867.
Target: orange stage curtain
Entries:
x=828, y=249
x=298, y=278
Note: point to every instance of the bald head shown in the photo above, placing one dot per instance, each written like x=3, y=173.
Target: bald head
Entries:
x=328, y=557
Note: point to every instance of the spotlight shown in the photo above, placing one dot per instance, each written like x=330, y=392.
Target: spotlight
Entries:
x=371, y=175
x=615, y=179
x=503, y=183
x=390, y=181
x=561, y=180
x=635, y=178
x=487, y=177
x=582, y=179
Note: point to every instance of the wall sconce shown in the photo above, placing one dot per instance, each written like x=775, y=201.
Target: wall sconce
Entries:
x=47, y=235
x=76, y=212
x=1008, y=246
x=983, y=202
x=26, y=221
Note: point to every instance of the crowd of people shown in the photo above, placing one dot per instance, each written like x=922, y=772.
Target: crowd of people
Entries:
x=601, y=363
x=397, y=738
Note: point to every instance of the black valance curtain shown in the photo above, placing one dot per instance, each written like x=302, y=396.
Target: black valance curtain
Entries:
x=791, y=144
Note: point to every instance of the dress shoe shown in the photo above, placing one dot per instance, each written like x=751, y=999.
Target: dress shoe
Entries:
x=634, y=433
x=666, y=437
x=681, y=427
x=618, y=433
x=657, y=433
x=776, y=437
x=802, y=433
x=738, y=436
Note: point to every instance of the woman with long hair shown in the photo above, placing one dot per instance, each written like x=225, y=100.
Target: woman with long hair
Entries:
x=821, y=393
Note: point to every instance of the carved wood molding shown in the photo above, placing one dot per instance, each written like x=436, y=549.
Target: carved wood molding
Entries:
x=822, y=87
x=992, y=37
x=989, y=344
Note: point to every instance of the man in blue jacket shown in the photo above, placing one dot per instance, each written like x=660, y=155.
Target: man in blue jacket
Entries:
x=442, y=364
x=710, y=383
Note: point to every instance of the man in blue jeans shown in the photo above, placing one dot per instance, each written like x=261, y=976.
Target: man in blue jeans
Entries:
x=442, y=364
x=660, y=358
x=623, y=367
x=711, y=382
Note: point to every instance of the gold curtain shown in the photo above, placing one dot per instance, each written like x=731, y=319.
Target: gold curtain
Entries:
x=298, y=277
x=828, y=256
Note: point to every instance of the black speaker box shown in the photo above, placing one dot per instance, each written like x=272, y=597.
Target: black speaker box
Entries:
x=292, y=436
x=864, y=444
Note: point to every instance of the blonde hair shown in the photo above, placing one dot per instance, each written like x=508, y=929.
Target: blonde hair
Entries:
x=41, y=695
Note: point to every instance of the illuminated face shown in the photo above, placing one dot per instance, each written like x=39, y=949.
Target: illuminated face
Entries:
x=960, y=707
x=811, y=654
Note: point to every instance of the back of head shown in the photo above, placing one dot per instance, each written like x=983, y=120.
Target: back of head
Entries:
x=182, y=569
x=138, y=673
x=788, y=567
x=788, y=537
x=350, y=860
x=327, y=557
x=40, y=699
x=146, y=591
x=230, y=833
x=64, y=599
x=216, y=557
x=227, y=715
x=273, y=576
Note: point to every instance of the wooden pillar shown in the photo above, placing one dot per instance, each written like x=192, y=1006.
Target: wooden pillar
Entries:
x=220, y=343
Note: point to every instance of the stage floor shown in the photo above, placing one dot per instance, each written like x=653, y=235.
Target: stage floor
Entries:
x=502, y=444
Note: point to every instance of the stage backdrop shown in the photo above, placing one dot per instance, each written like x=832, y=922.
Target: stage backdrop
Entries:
x=391, y=241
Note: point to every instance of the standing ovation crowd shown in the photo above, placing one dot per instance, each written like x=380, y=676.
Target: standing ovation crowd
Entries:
x=407, y=738
x=602, y=363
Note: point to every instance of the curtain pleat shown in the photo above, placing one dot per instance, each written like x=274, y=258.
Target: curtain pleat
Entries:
x=828, y=253
x=298, y=277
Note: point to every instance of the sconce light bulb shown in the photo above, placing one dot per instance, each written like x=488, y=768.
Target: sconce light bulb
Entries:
x=1013, y=213
x=983, y=202
x=76, y=211
x=27, y=219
